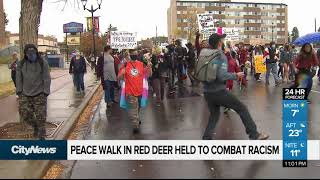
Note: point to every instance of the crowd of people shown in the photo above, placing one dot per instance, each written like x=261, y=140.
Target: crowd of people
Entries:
x=139, y=71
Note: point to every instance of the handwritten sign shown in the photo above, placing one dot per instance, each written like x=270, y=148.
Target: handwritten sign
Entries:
x=259, y=66
x=232, y=34
x=205, y=23
x=123, y=40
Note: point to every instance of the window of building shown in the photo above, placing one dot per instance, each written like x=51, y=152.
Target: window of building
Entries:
x=194, y=4
x=220, y=12
x=178, y=12
x=237, y=21
x=179, y=20
x=256, y=5
x=247, y=28
x=179, y=28
x=186, y=28
x=179, y=4
x=185, y=12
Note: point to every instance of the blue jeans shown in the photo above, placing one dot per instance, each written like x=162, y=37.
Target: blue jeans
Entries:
x=108, y=91
x=274, y=70
x=78, y=78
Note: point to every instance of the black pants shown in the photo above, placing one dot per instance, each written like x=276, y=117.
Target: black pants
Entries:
x=13, y=77
x=226, y=99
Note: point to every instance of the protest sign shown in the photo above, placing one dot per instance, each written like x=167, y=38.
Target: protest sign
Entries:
x=123, y=40
x=232, y=34
x=205, y=23
x=260, y=67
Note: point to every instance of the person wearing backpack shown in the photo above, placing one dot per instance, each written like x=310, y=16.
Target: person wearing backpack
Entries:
x=271, y=61
x=33, y=86
x=212, y=70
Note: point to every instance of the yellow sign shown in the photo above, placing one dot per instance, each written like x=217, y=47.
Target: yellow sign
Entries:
x=259, y=66
x=73, y=41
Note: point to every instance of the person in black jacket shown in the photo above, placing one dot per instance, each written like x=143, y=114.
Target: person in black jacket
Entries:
x=170, y=59
x=78, y=69
x=191, y=62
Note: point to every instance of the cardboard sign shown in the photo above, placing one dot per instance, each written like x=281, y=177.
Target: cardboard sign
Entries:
x=259, y=66
x=123, y=40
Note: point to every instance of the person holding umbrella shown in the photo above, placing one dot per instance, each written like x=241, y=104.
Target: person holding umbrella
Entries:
x=305, y=68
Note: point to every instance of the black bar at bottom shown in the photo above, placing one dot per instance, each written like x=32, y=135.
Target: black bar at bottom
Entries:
x=294, y=163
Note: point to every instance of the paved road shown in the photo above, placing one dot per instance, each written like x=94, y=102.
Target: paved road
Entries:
x=185, y=118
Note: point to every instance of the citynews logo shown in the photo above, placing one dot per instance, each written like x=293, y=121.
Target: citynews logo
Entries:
x=33, y=150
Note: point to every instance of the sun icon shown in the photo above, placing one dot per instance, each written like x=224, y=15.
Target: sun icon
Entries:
x=302, y=105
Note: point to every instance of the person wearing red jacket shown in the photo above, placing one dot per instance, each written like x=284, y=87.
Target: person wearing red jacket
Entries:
x=306, y=63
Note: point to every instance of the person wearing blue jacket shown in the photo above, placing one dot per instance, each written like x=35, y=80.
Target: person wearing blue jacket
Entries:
x=216, y=94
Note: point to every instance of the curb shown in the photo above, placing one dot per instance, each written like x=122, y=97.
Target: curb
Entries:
x=63, y=133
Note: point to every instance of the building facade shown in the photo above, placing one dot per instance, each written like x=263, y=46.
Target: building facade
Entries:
x=2, y=26
x=259, y=23
x=46, y=44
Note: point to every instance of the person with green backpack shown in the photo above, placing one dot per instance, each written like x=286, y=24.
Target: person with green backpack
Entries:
x=212, y=71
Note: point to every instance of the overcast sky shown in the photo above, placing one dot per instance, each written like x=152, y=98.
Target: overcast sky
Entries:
x=140, y=16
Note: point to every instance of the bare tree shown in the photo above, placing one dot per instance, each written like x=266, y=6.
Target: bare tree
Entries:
x=29, y=22
x=192, y=23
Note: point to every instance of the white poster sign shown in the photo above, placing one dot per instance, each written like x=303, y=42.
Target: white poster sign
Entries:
x=123, y=40
x=205, y=23
x=233, y=34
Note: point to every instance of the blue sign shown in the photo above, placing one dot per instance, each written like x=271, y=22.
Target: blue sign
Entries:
x=33, y=150
x=295, y=127
x=73, y=27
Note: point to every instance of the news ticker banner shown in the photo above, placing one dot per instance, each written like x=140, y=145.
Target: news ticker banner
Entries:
x=149, y=150
x=295, y=127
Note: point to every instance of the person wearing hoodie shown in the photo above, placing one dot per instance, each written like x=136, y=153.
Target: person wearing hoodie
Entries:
x=216, y=95
x=33, y=86
x=78, y=68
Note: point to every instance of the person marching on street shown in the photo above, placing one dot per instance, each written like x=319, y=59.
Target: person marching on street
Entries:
x=215, y=92
x=170, y=58
x=33, y=87
x=305, y=68
x=286, y=60
x=163, y=71
x=135, y=91
x=271, y=62
x=106, y=71
x=191, y=61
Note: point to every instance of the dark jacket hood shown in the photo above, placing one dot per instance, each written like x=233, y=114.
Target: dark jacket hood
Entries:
x=26, y=47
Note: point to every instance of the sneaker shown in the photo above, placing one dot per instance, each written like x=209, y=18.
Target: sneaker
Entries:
x=136, y=130
x=261, y=137
x=278, y=83
x=226, y=110
x=206, y=138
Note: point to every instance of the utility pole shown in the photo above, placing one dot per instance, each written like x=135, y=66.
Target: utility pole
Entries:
x=315, y=24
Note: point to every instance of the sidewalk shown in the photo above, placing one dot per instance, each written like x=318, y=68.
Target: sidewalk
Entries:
x=63, y=107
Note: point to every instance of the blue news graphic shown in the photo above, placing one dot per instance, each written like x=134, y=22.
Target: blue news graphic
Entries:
x=295, y=125
x=33, y=150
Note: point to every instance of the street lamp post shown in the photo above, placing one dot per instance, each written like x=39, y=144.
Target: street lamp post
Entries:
x=92, y=10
